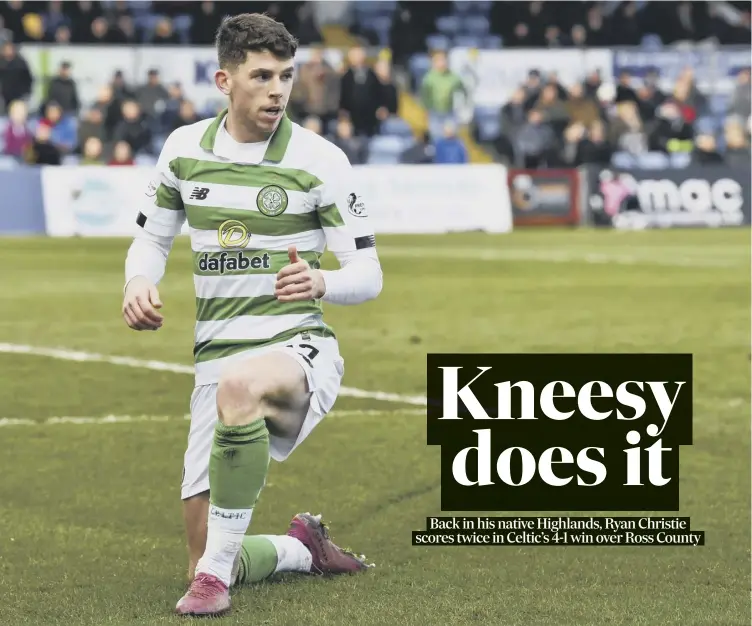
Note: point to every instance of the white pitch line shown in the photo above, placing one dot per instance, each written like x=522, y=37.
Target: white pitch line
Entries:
x=132, y=419
x=178, y=368
x=552, y=256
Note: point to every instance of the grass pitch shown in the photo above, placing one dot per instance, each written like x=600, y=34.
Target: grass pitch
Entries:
x=90, y=521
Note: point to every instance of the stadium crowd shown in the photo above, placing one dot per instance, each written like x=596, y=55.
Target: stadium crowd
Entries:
x=544, y=124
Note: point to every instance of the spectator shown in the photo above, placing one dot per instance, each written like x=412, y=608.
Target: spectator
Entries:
x=595, y=148
x=123, y=31
x=84, y=13
x=15, y=77
x=420, y=153
x=740, y=99
x=186, y=115
x=54, y=18
x=390, y=99
x=705, y=151
x=578, y=35
x=626, y=132
x=110, y=109
x=439, y=88
x=570, y=152
x=122, y=154
x=649, y=98
x=164, y=33
x=671, y=132
x=624, y=89
x=92, y=151
x=6, y=34
x=356, y=148
x=535, y=143
x=99, y=32
x=120, y=89
x=62, y=35
x=62, y=89
x=170, y=117
x=313, y=123
x=63, y=128
x=91, y=125
x=360, y=95
x=17, y=138
x=317, y=89
x=694, y=97
x=581, y=108
x=43, y=151
x=152, y=96
x=133, y=129
x=205, y=23
x=532, y=88
x=449, y=148
x=307, y=32
x=554, y=111
x=737, y=145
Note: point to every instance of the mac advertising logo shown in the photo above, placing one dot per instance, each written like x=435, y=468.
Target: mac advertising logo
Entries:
x=559, y=432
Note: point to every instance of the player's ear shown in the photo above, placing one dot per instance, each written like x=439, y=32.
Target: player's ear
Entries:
x=223, y=80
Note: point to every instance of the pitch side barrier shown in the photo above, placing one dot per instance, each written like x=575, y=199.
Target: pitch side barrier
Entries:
x=85, y=201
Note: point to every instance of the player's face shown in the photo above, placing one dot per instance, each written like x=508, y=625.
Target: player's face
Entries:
x=260, y=88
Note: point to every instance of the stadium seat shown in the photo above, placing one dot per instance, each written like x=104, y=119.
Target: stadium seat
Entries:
x=706, y=125
x=381, y=25
x=397, y=127
x=493, y=42
x=476, y=25
x=8, y=162
x=183, y=24
x=419, y=65
x=468, y=41
x=680, y=160
x=389, y=144
x=653, y=161
x=719, y=104
x=489, y=128
x=448, y=24
x=383, y=158
x=145, y=160
x=438, y=42
x=623, y=160
x=651, y=42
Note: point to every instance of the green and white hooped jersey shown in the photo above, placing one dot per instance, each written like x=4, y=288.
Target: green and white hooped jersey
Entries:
x=242, y=217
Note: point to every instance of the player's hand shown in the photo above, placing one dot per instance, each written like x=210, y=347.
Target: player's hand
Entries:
x=297, y=281
x=140, y=305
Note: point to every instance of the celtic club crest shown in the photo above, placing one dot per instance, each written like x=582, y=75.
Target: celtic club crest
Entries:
x=272, y=200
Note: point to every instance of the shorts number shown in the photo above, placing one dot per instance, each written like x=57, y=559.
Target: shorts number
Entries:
x=312, y=352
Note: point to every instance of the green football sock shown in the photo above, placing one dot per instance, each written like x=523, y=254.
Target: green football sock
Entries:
x=238, y=464
x=258, y=560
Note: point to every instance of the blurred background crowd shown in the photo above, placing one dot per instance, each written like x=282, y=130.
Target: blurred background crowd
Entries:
x=395, y=69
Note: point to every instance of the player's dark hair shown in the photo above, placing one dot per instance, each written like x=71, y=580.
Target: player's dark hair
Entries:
x=252, y=32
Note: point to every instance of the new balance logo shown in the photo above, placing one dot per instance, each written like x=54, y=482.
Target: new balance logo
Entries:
x=199, y=193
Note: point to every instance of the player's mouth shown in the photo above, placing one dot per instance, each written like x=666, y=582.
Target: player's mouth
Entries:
x=273, y=113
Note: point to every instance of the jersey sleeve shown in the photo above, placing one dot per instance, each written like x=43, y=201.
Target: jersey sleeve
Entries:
x=162, y=212
x=342, y=208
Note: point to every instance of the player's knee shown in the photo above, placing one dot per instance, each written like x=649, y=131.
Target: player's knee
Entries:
x=243, y=395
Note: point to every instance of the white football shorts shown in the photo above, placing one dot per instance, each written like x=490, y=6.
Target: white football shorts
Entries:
x=324, y=372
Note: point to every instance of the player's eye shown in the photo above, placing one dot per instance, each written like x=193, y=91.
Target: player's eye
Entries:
x=287, y=76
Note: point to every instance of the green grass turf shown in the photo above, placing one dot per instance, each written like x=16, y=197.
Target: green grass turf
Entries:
x=90, y=521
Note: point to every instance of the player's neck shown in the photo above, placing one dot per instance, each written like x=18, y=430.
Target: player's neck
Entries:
x=243, y=130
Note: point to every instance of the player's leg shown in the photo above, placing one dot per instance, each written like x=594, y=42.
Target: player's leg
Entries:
x=305, y=548
x=195, y=483
x=249, y=394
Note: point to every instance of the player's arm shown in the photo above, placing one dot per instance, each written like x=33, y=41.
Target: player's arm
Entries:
x=349, y=235
x=159, y=220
